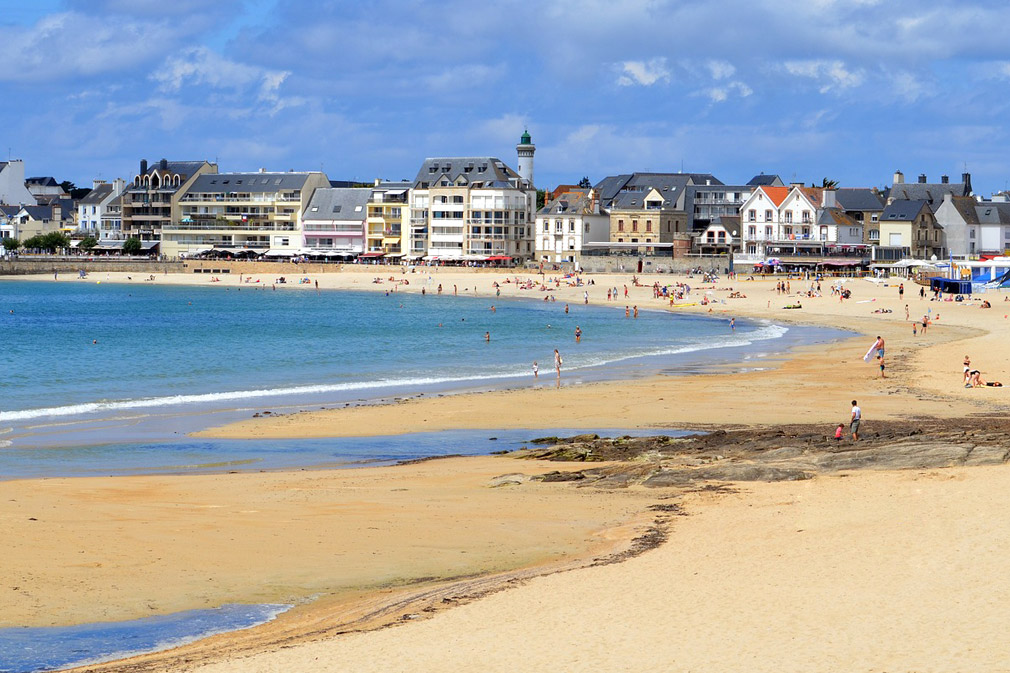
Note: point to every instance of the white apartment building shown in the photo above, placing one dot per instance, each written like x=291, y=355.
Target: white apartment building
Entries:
x=92, y=209
x=470, y=209
x=334, y=221
x=12, y=184
x=566, y=224
x=772, y=216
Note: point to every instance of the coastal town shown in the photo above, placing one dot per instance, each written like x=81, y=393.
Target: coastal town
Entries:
x=479, y=210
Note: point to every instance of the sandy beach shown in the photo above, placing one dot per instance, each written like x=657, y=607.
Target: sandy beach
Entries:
x=853, y=571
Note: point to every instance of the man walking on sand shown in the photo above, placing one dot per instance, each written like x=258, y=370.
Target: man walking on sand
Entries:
x=857, y=415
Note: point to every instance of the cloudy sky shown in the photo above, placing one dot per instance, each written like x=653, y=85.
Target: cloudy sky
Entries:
x=846, y=89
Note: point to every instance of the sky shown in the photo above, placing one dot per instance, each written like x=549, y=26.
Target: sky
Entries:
x=849, y=90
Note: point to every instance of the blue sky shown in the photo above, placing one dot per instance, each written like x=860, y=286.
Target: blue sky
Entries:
x=850, y=90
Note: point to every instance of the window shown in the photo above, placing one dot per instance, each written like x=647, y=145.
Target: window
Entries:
x=806, y=216
x=752, y=215
x=547, y=227
x=620, y=225
x=648, y=225
x=634, y=225
x=875, y=217
x=768, y=216
x=789, y=216
x=768, y=232
x=971, y=233
x=457, y=199
x=874, y=234
x=571, y=226
x=751, y=232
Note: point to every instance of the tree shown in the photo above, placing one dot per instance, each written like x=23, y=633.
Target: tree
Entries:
x=75, y=192
x=132, y=246
x=32, y=243
x=829, y=184
x=54, y=240
x=87, y=244
x=11, y=244
x=541, y=198
x=585, y=183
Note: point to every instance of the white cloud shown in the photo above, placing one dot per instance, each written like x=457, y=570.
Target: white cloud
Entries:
x=721, y=69
x=720, y=94
x=198, y=66
x=830, y=74
x=907, y=86
x=644, y=73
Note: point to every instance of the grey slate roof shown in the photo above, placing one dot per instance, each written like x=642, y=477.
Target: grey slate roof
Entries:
x=38, y=212
x=966, y=208
x=763, y=180
x=862, y=199
x=96, y=195
x=636, y=200
x=338, y=203
x=993, y=213
x=571, y=203
x=836, y=216
x=610, y=187
x=184, y=168
x=474, y=170
x=904, y=210
x=45, y=181
x=248, y=182
x=9, y=211
x=930, y=192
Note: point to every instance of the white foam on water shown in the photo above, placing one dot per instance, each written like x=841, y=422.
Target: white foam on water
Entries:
x=765, y=332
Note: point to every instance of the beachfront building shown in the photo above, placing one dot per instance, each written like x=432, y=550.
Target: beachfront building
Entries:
x=648, y=212
x=959, y=217
x=471, y=209
x=45, y=189
x=994, y=227
x=32, y=221
x=111, y=228
x=780, y=222
x=864, y=206
x=259, y=212
x=705, y=204
x=12, y=184
x=388, y=223
x=151, y=200
x=930, y=192
x=333, y=223
x=721, y=236
x=912, y=225
x=566, y=224
x=92, y=208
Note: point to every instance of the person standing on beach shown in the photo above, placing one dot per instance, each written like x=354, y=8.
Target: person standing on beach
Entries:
x=906, y=311
x=557, y=363
x=857, y=416
x=578, y=334
x=536, y=370
x=901, y=291
x=585, y=296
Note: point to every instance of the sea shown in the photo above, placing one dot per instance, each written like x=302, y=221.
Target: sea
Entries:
x=110, y=379
x=106, y=378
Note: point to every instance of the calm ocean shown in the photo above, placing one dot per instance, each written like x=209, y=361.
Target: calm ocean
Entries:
x=170, y=359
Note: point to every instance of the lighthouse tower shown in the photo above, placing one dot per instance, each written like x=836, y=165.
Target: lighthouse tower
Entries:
x=525, y=150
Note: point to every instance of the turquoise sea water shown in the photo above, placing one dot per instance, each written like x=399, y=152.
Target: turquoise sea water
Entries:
x=89, y=364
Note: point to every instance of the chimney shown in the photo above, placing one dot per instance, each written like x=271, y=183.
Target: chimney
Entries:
x=143, y=167
x=966, y=179
x=944, y=179
x=95, y=183
x=163, y=164
x=829, y=198
x=922, y=178
x=262, y=170
x=899, y=178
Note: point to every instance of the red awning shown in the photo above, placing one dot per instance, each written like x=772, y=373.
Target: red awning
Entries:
x=372, y=254
x=499, y=258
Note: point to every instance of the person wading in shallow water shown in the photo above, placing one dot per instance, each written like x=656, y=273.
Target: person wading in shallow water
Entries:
x=557, y=363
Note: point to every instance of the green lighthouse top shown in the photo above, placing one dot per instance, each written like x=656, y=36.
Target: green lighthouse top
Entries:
x=525, y=138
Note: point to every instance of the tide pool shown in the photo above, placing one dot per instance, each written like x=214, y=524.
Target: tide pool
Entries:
x=28, y=650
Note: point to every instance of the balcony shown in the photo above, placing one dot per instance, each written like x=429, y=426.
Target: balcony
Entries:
x=227, y=225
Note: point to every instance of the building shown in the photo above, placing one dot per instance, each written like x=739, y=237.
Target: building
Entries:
x=705, y=204
x=994, y=228
x=12, y=184
x=388, y=223
x=45, y=189
x=780, y=222
x=470, y=209
x=930, y=192
x=241, y=211
x=864, y=206
x=911, y=224
x=32, y=221
x=567, y=224
x=763, y=180
x=721, y=236
x=151, y=201
x=111, y=228
x=333, y=224
x=92, y=208
x=959, y=217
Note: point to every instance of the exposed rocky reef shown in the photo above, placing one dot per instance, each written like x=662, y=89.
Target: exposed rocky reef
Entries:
x=779, y=453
